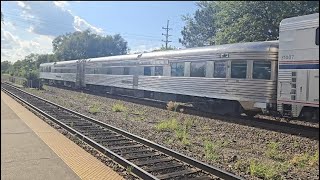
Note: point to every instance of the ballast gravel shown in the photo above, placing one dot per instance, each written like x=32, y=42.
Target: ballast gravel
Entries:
x=250, y=152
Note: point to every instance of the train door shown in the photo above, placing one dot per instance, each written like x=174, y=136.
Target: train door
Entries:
x=313, y=87
x=80, y=74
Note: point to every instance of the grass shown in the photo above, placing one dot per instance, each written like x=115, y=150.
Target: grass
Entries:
x=181, y=130
x=182, y=134
x=170, y=124
x=273, y=152
x=211, y=149
x=129, y=169
x=118, y=107
x=303, y=160
x=94, y=109
x=264, y=170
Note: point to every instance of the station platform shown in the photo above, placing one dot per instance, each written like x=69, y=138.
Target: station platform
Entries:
x=32, y=149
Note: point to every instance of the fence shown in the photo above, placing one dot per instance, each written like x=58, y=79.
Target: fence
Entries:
x=21, y=81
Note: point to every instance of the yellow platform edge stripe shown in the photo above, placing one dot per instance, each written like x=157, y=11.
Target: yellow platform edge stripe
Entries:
x=81, y=162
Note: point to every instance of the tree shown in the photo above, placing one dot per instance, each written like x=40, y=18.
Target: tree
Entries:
x=5, y=66
x=200, y=29
x=241, y=21
x=247, y=21
x=163, y=48
x=85, y=44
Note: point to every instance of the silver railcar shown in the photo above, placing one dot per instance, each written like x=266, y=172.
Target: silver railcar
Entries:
x=242, y=73
x=64, y=72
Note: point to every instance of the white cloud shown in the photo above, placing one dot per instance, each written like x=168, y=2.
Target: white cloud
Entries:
x=14, y=48
x=23, y=5
x=81, y=25
x=61, y=4
x=8, y=25
x=44, y=21
x=53, y=19
x=8, y=40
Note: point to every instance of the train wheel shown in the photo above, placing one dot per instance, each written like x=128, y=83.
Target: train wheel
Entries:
x=250, y=113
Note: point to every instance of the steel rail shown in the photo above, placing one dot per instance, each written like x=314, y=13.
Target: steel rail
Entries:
x=136, y=170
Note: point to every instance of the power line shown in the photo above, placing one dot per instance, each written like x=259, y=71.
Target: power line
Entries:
x=167, y=35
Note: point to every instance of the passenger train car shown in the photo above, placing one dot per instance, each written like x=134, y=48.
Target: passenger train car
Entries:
x=272, y=76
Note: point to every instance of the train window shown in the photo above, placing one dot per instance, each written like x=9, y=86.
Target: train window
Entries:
x=317, y=36
x=147, y=71
x=177, y=69
x=220, y=69
x=109, y=71
x=49, y=69
x=239, y=69
x=261, y=70
x=126, y=71
x=158, y=71
x=198, y=69
x=117, y=71
x=89, y=71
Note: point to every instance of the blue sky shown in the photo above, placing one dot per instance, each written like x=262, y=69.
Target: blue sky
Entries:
x=30, y=26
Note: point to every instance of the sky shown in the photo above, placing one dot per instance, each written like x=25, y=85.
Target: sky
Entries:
x=30, y=26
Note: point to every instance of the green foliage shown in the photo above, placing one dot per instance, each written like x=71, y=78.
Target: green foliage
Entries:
x=182, y=134
x=81, y=45
x=273, y=152
x=170, y=124
x=163, y=48
x=5, y=66
x=181, y=130
x=118, y=107
x=303, y=160
x=268, y=170
x=210, y=150
x=129, y=169
x=222, y=22
x=200, y=30
x=314, y=160
x=94, y=109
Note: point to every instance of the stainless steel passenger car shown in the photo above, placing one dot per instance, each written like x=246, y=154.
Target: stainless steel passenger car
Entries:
x=64, y=72
x=242, y=73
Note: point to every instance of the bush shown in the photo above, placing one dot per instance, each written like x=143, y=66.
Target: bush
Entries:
x=94, y=109
x=118, y=107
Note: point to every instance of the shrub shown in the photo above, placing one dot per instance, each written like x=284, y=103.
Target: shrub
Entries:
x=273, y=152
x=268, y=170
x=94, y=109
x=118, y=107
x=172, y=106
x=170, y=124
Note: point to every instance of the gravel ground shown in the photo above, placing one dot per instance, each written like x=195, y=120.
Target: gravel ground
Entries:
x=250, y=152
x=103, y=158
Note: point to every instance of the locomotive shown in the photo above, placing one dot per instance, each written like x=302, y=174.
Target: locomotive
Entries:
x=271, y=77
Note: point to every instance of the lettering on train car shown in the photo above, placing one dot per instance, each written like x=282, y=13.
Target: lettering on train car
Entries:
x=288, y=57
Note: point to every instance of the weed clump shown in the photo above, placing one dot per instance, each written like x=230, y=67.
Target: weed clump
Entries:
x=118, y=107
x=94, y=109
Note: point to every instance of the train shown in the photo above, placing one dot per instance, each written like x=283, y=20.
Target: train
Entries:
x=273, y=77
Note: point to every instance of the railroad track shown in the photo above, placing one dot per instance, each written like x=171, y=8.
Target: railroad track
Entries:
x=142, y=157
x=282, y=127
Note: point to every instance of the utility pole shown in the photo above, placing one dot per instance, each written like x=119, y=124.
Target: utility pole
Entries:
x=167, y=35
